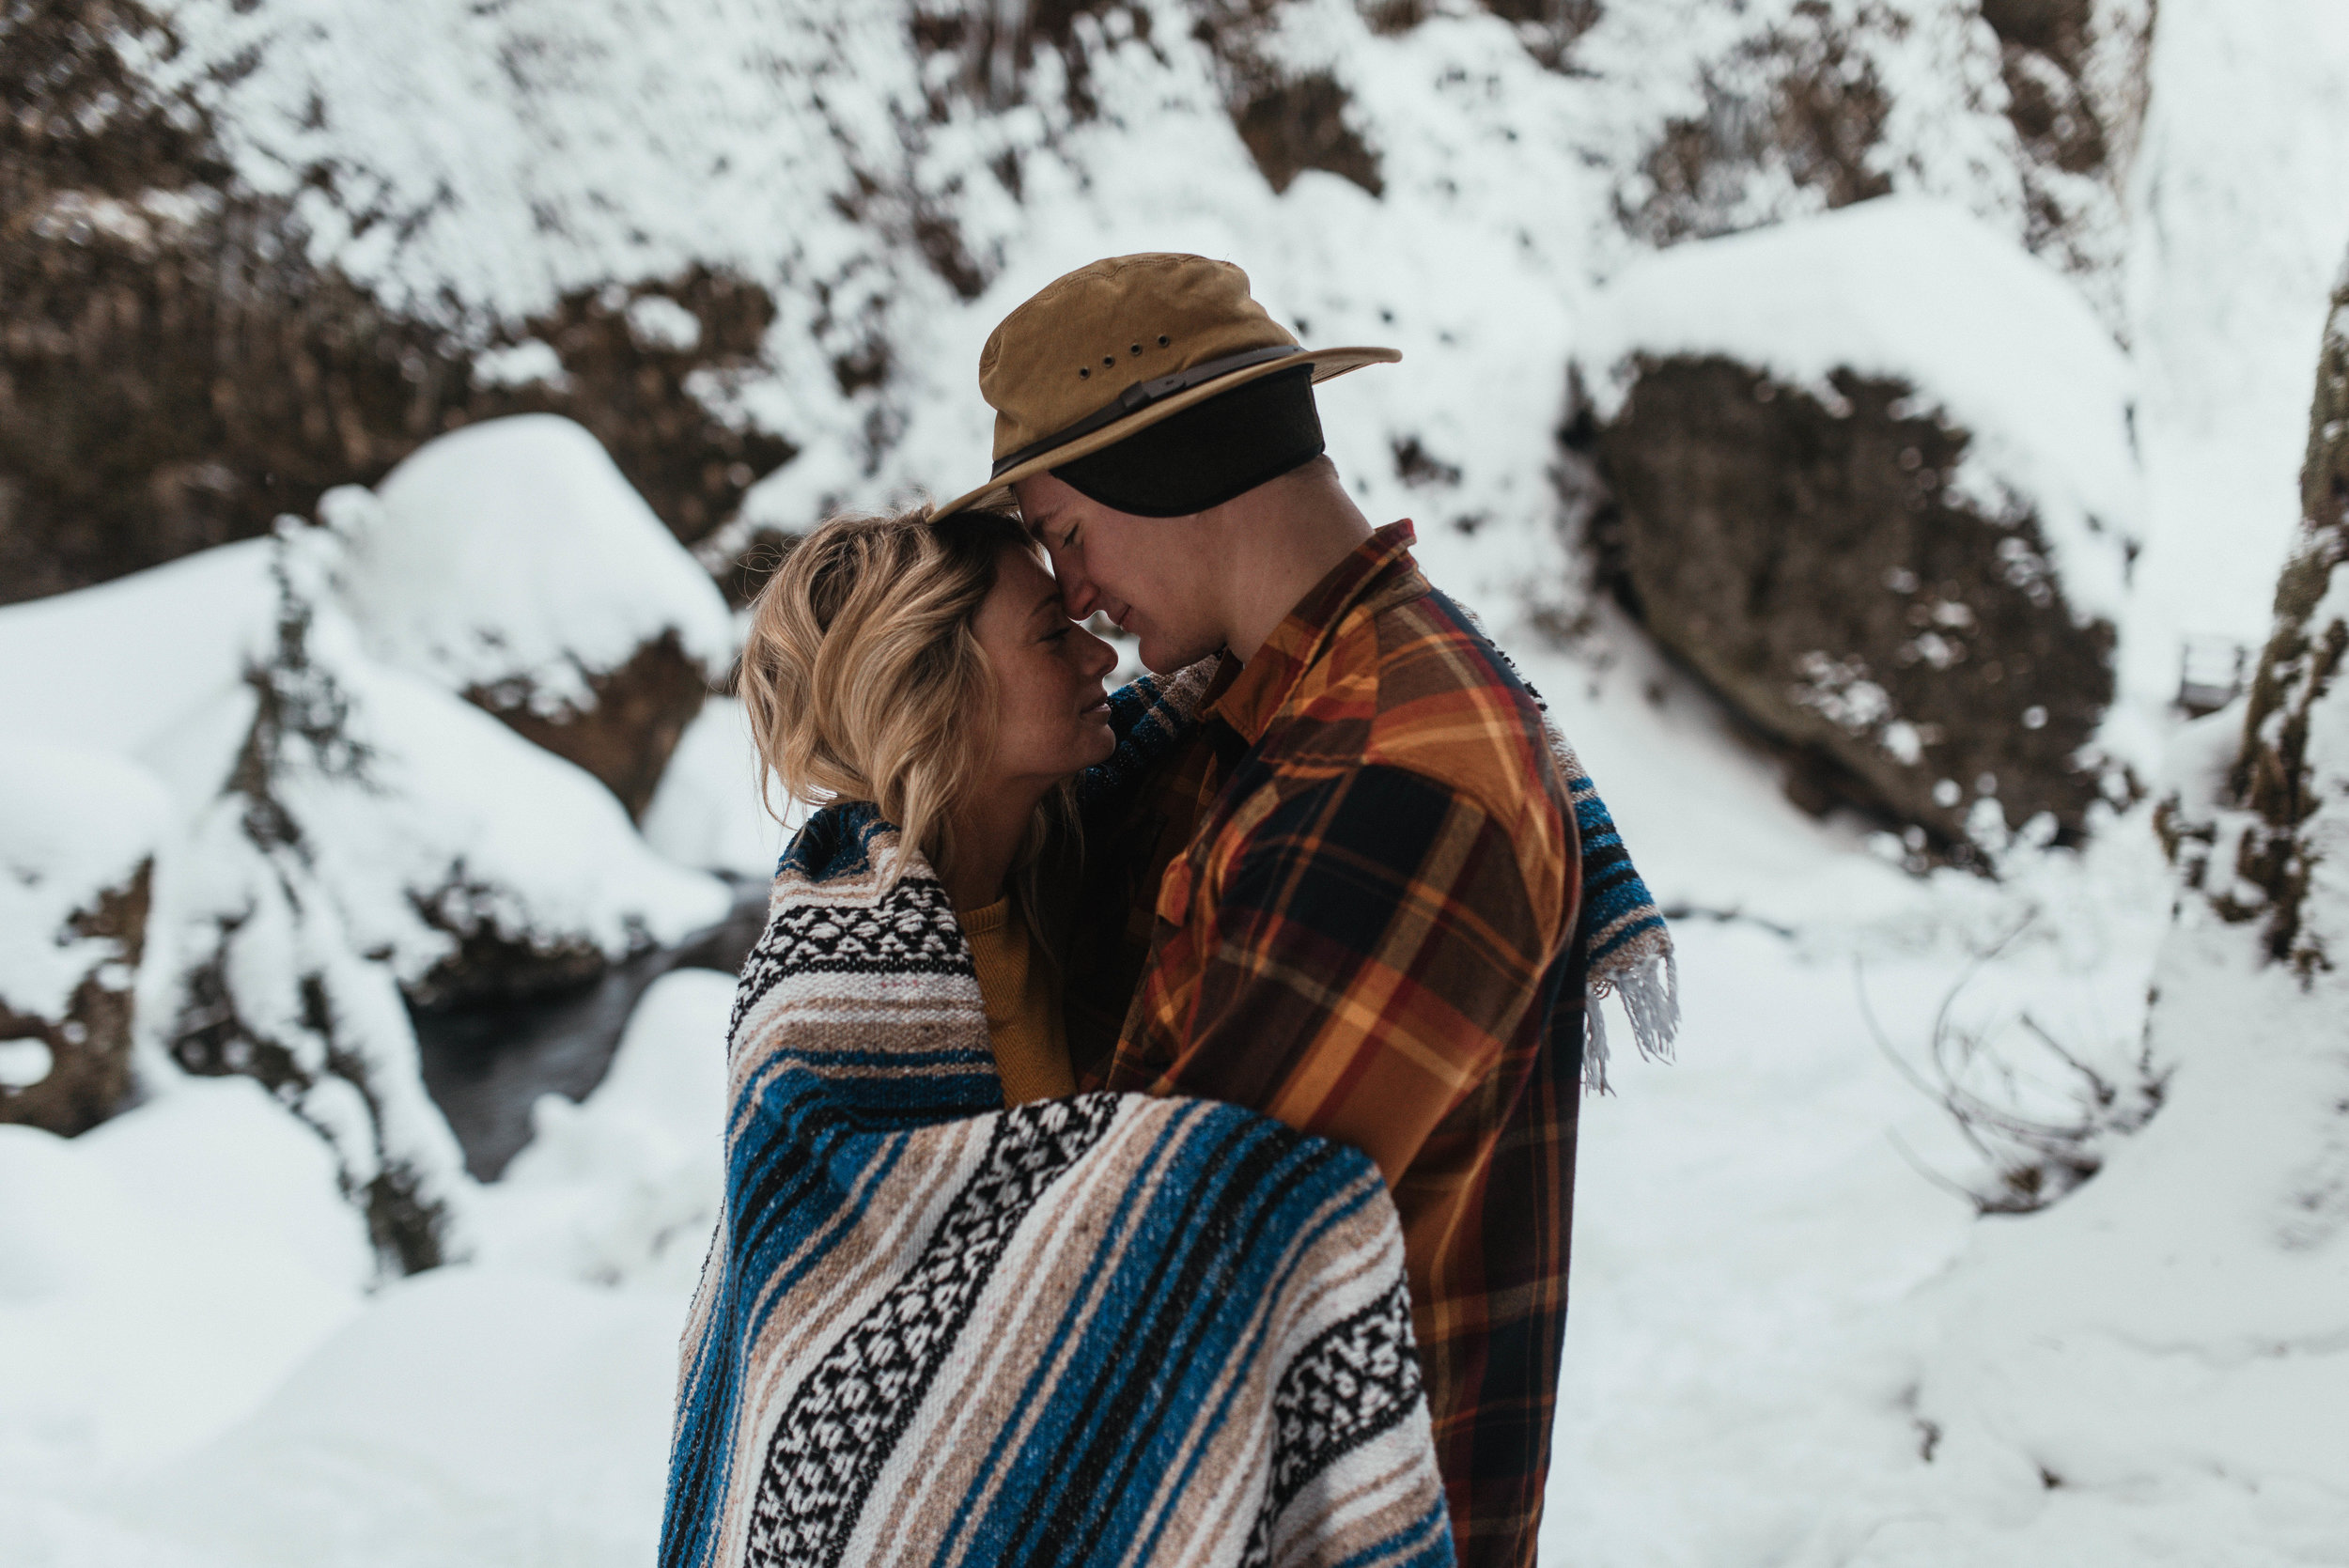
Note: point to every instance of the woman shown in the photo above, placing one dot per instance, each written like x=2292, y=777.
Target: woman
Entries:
x=954, y=1313
x=870, y=656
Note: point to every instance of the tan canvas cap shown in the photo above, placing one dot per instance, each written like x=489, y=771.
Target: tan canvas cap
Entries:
x=1119, y=345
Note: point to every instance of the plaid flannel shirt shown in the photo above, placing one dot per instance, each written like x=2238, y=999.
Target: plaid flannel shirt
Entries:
x=1364, y=927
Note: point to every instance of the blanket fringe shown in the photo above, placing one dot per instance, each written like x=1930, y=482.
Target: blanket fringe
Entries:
x=1650, y=993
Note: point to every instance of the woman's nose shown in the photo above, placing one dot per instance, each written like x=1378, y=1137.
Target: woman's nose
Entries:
x=1100, y=657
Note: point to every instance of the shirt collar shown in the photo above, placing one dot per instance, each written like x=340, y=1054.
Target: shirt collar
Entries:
x=1264, y=683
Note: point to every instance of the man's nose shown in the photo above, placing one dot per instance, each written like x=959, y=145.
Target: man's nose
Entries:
x=1077, y=591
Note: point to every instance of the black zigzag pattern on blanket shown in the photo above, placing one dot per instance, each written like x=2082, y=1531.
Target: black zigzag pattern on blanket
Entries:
x=844, y=1421
x=911, y=930
x=1355, y=1381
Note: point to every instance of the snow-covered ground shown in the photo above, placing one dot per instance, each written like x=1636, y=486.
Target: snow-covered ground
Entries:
x=1792, y=1343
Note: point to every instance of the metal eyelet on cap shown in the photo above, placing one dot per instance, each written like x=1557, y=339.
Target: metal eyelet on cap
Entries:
x=1162, y=340
x=1082, y=371
x=1109, y=360
x=1137, y=348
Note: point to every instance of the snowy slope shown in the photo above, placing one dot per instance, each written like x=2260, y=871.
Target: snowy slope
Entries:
x=1790, y=1346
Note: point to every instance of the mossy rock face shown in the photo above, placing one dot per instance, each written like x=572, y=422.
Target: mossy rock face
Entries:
x=176, y=372
x=1816, y=566
x=2292, y=776
x=90, y=1048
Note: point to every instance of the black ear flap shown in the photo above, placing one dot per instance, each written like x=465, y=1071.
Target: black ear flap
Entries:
x=1207, y=454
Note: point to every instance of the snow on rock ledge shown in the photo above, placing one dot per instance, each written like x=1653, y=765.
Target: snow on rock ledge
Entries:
x=707, y=812
x=511, y=562
x=78, y=833
x=1872, y=475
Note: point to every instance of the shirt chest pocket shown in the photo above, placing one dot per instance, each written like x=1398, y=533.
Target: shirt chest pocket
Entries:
x=1175, y=890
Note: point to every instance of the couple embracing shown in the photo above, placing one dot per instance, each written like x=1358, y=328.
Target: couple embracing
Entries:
x=1151, y=1111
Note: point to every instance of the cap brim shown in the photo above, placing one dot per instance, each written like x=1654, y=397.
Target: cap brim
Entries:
x=996, y=493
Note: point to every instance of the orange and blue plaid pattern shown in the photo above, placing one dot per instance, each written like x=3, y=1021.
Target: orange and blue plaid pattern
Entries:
x=1365, y=927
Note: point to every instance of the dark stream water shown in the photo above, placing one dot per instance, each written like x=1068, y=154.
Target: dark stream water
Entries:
x=485, y=1066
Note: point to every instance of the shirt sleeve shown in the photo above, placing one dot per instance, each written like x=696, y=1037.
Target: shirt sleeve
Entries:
x=1371, y=952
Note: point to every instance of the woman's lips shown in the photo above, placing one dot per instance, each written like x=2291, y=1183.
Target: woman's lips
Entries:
x=1099, y=704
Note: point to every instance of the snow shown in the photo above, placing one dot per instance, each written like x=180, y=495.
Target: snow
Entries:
x=466, y=1416
x=456, y=809
x=520, y=365
x=1791, y=1344
x=659, y=323
x=74, y=825
x=189, y=1373
x=160, y=1277
x=514, y=550
x=24, y=1062
x=112, y=668
x=1917, y=290
x=627, y=1187
x=2242, y=203
x=706, y=811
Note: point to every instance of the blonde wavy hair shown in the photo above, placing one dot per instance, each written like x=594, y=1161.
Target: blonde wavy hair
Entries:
x=865, y=680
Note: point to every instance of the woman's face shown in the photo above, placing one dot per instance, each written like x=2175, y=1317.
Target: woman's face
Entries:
x=1054, y=716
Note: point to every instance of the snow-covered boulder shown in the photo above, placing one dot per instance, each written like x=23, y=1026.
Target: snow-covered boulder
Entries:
x=706, y=812
x=511, y=563
x=78, y=833
x=478, y=866
x=1872, y=475
x=341, y=840
x=377, y=836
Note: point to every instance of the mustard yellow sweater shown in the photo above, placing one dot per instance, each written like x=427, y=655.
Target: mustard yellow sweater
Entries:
x=1023, y=1018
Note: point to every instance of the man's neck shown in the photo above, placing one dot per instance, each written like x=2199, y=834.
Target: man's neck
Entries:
x=1274, y=544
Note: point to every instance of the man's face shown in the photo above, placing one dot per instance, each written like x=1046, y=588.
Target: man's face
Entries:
x=1153, y=576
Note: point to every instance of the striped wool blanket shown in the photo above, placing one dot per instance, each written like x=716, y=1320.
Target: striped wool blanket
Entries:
x=1106, y=1329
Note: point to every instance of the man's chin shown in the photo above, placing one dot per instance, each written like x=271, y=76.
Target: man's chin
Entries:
x=1164, y=659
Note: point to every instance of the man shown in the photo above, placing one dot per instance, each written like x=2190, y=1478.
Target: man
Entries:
x=1352, y=904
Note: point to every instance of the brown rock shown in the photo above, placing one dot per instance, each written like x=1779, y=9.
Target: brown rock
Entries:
x=90, y=1047
x=1909, y=654
x=626, y=735
x=1292, y=125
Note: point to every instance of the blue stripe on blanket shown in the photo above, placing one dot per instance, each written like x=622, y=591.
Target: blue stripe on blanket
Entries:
x=1616, y=906
x=1206, y=1272
x=1248, y=1197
